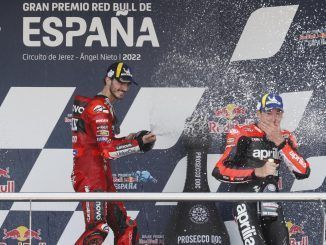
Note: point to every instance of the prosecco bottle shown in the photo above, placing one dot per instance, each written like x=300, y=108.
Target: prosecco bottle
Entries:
x=196, y=222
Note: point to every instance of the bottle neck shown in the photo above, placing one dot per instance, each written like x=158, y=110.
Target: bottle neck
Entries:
x=196, y=178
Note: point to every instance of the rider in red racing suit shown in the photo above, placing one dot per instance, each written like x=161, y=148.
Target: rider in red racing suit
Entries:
x=94, y=145
x=245, y=163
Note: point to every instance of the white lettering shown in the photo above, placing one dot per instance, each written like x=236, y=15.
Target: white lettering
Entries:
x=247, y=231
x=198, y=170
x=127, y=36
x=98, y=207
x=96, y=26
x=298, y=159
x=196, y=239
x=77, y=33
x=36, y=6
x=69, y=31
x=77, y=108
x=263, y=154
x=28, y=31
x=54, y=32
x=147, y=25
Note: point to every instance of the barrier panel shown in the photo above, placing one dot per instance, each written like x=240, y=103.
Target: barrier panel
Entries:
x=162, y=197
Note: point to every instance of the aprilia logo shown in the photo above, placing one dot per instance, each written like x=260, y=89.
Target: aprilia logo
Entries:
x=298, y=159
x=247, y=231
x=263, y=154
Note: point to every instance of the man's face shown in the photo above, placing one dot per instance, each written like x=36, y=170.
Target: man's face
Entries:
x=118, y=89
x=275, y=116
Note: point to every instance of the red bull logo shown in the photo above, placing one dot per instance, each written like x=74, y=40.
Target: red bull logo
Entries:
x=230, y=111
x=227, y=118
x=293, y=228
x=124, y=178
x=9, y=187
x=304, y=241
x=294, y=233
x=4, y=173
x=21, y=233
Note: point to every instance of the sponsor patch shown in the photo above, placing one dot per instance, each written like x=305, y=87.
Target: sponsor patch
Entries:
x=256, y=139
x=102, y=120
x=102, y=139
x=102, y=133
x=102, y=127
x=121, y=147
x=100, y=108
x=298, y=159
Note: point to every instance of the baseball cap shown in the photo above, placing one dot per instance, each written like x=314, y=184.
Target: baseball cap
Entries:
x=270, y=101
x=121, y=72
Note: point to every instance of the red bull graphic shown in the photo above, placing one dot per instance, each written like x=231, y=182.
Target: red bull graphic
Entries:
x=4, y=173
x=230, y=111
x=12, y=234
x=9, y=187
x=22, y=234
x=296, y=234
x=33, y=234
x=227, y=118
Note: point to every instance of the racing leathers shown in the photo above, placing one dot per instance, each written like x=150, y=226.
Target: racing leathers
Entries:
x=247, y=148
x=94, y=145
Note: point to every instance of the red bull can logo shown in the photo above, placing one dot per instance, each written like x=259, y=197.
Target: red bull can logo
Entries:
x=295, y=231
x=21, y=233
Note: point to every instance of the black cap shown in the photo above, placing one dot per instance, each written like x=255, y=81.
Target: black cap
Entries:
x=121, y=72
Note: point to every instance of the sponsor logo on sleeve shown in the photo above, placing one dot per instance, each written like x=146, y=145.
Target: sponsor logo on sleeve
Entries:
x=125, y=146
x=298, y=159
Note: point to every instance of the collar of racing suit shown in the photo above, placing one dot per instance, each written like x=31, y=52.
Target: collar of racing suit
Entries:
x=107, y=102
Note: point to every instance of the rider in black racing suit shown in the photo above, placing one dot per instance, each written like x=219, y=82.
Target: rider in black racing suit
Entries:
x=251, y=161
